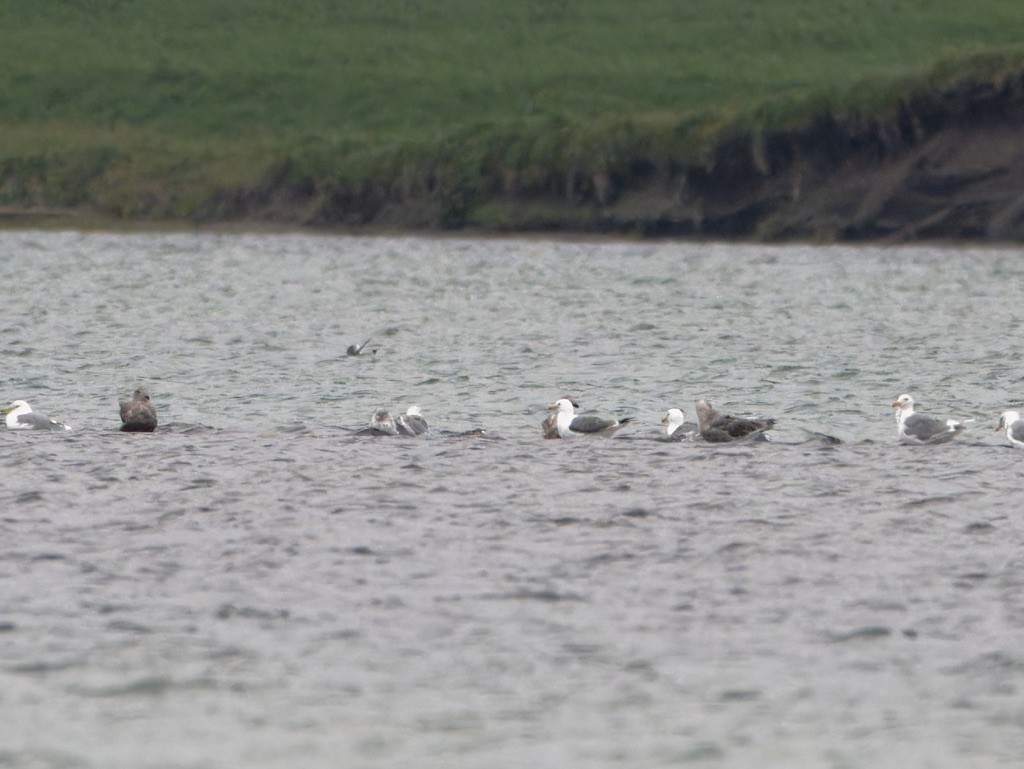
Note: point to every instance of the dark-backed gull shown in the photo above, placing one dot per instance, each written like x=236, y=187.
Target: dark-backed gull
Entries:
x=920, y=429
x=1014, y=426
x=20, y=416
x=569, y=425
x=411, y=423
x=676, y=426
x=138, y=415
x=715, y=427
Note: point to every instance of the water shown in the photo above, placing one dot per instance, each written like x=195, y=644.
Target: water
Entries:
x=253, y=585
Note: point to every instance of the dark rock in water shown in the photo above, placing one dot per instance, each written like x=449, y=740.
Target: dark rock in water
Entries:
x=138, y=415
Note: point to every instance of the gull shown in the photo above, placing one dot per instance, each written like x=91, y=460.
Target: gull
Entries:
x=569, y=425
x=1014, y=426
x=920, y=429
x=20, y=416
x=138, y=415
x=715, y=427
x=676, y=426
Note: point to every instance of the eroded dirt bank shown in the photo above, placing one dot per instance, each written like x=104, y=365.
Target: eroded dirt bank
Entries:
x=944, y=165
x=947, y=165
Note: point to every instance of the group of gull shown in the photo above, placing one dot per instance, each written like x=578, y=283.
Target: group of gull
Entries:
x=715, y=427
x=139, y=415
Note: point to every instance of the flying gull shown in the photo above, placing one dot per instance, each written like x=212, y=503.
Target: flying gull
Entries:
x=715, y=427
x=138, y=415
x=676, y=426
x=569, y=425
x=20, y=416
x=920, y=429
x=549, y=427
x=1014, y=426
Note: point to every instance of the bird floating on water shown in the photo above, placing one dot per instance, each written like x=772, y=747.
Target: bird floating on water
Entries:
x=920, y=429
x=410, y=424
x=715, y=427
x=20, y=416
x=357, y=349
x=1014, y=426
x=549, y=427
x=569, y=425
x=138, y=415
x=676, y=426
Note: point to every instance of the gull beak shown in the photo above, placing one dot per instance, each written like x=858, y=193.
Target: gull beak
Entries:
x=552, y=406
x=895, y=404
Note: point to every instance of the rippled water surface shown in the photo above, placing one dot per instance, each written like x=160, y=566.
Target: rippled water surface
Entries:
x=255, y=585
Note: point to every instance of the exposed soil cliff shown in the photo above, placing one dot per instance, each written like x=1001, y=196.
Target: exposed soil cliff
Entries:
x=945, y=164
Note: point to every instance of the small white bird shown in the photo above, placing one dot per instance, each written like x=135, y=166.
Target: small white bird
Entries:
x=20, y=416
x=676, y=425
x=1014, y=426
x=570, y=426
x=920, y=429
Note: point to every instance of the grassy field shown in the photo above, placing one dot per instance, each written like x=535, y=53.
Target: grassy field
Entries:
x=120, y=102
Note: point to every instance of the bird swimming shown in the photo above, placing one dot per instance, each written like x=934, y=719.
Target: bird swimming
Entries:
x=569, y=425
x=676, y=426
x=919, y=429
x=549, y=427
x=715, y=427
x=20, y=416
x=1014, y=426
x=411, y=423
x=138, y=415
x=357, y=349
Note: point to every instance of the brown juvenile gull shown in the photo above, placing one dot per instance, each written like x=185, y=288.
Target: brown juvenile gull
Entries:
x=715, y=427
x=20, y=416
x=549, y=427
x=920, y=429
x=1014, y=426
x=138, y=415
x=570, y=426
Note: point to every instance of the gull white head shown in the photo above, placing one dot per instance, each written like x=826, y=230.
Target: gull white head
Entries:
x=16, y=408
x=1006, y=419
x=672, y=420
x=414, y=410
x=904, y=406
x=562, y=406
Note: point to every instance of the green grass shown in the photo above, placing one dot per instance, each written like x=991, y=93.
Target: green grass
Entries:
x=109, y=99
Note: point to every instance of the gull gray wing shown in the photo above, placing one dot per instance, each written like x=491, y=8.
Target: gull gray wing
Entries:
x=40, y=422
x=928, y=429
x=411, y=424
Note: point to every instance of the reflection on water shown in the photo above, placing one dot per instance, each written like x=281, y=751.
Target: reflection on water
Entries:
x=255, y=584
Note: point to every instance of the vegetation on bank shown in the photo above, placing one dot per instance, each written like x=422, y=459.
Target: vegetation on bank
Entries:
x=189, y=108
